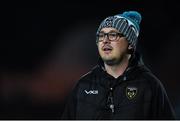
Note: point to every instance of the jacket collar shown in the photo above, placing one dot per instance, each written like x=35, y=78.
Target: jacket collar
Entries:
x=135, y=66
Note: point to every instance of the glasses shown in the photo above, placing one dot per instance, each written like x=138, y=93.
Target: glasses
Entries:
x=112, y=36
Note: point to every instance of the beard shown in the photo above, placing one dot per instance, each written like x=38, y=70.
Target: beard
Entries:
x=114, y=57
x=112, y=61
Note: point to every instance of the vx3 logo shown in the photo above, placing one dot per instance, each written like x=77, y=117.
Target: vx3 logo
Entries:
x=93, y=92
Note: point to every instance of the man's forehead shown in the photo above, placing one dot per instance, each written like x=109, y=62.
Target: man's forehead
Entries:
x=108, y=29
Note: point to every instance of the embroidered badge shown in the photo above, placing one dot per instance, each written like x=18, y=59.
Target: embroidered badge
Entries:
x=131, y=92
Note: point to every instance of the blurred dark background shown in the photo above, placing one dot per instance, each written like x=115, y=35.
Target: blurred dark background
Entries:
x=45, y=48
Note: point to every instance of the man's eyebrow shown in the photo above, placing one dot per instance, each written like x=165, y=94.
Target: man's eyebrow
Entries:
x=114, y=31
x=109, y=31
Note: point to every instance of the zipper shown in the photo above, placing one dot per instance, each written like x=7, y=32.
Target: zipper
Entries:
x=110, y=101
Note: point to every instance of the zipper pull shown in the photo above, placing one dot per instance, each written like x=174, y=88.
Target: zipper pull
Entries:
x=112, y=107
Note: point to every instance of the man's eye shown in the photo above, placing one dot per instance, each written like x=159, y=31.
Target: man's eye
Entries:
x=112, y=34
x=101, y=35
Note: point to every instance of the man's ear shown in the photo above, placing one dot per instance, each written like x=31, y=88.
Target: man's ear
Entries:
x=130, y=49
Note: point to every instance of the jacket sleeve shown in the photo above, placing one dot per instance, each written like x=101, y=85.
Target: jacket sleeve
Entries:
x=69, y=112
x=161, y=105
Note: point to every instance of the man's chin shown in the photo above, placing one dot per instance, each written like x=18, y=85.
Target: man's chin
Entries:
x=109, y=61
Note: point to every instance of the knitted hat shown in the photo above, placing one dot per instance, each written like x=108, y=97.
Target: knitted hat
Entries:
x=126, y=23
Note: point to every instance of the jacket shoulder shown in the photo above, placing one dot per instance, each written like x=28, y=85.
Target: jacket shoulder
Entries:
x=152, y=80
x=150, y=77
x=89, y=75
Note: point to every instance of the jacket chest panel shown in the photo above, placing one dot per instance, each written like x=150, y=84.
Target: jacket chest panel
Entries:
x=129, y=96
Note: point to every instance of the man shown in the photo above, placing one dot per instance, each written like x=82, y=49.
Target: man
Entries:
x=120, y=86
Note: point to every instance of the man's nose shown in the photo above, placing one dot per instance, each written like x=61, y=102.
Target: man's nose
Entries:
x=106, y=40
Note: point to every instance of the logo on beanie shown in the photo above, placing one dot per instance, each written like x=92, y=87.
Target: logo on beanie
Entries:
x=108, y=22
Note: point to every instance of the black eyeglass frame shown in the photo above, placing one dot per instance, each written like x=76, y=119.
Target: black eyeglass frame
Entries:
x=117, y=34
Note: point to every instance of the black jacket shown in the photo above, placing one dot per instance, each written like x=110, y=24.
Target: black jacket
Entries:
x=137, y=94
